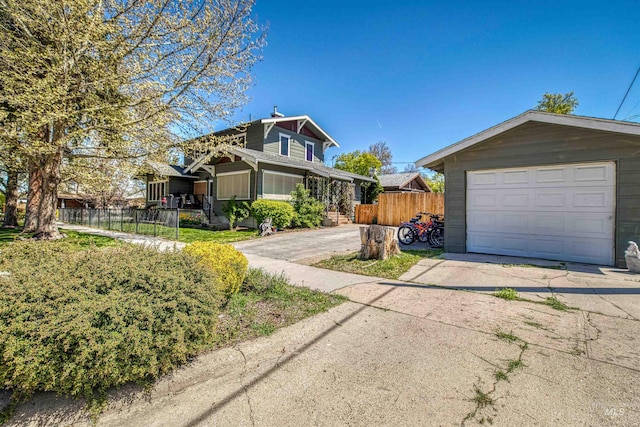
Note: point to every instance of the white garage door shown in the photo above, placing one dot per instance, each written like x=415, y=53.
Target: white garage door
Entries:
x=563, y=212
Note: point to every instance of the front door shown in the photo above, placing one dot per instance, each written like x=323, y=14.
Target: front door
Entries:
x=200, y=190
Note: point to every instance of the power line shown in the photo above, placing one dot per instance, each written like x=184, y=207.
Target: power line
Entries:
x=625, y=95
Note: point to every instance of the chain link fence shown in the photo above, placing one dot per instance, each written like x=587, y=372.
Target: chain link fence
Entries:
x=150, y=222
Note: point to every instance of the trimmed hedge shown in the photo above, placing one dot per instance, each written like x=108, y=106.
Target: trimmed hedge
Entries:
x=79, y=322
x=229, y=264
x=280, y=212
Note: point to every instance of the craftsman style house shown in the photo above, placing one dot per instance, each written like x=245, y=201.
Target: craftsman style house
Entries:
x=265, y=158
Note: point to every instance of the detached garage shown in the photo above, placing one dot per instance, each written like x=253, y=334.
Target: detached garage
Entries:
x=544, y=185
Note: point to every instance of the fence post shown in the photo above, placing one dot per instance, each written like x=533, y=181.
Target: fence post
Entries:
x=99, y=218
x=177, y=223
x=122, y=220
x=135, y=217
x=155, y=223
x=109, y=219
x=89, y=217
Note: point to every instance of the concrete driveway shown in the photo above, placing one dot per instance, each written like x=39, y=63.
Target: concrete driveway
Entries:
x=407, y=353
x=299, y=245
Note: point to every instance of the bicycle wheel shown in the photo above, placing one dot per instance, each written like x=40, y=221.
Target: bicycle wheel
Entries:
x=406, y=236
x=423, y=236
x=436, y=237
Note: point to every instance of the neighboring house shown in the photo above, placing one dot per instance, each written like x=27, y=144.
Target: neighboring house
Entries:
x=264, y=159
x=73, y=200
x=409, y=182
x=544, y=185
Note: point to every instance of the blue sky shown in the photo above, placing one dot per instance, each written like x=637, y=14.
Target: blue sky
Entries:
x=422, y=75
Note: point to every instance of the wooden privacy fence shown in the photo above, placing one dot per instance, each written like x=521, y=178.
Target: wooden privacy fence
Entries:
x=395, y=208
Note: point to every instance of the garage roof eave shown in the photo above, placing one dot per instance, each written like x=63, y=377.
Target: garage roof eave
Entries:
x=436, y=166
x=617, y=126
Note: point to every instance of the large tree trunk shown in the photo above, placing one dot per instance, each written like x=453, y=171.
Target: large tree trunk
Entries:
x=34, y=195
x=44, y=177
x=11, y=202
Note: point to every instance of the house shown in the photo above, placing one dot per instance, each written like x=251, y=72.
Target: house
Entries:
x=409, y=182
x=265, y=158
x=544, y=185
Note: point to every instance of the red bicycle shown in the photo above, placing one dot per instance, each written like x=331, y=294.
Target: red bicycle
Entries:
x=431, y=232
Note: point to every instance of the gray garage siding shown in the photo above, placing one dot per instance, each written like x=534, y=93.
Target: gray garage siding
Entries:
x=535, y=143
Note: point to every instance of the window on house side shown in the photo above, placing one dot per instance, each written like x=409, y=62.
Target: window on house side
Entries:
x=278, y=186
x=233, y=184
x=284, y=145
x=156, y=190
x=308, y=146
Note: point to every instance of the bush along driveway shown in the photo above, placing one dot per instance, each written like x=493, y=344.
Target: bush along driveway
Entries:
x=78, y=318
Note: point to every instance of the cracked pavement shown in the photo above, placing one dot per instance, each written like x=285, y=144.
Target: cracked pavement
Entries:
x=403, y=352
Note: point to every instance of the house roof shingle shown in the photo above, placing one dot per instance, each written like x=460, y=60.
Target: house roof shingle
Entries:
x=400, y=180
x=314, y=167
x=164, y=169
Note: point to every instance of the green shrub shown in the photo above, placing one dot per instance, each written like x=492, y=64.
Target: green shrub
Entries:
x=280, y=212
x=308, y=211
x=78, y=322
x=229, y=264
x=236, y=212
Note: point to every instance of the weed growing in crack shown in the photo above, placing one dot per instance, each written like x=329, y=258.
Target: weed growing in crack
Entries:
x=481, y=398
x=534, y=324
x=509, y=337
x=506, y=293
x=514, y=364
x=500, y=376
x=555, y=303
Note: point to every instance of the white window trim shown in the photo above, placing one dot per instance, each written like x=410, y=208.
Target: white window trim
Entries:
x=149, y=192
x=288, y=145
x=234, y=173
x=313, y=150
x=269, y=196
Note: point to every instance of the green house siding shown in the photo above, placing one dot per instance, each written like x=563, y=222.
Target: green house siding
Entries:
x=255, y=136
x=296, y=146
x=535, y=144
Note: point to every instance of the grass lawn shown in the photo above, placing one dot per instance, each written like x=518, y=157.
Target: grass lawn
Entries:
x=266, y=303
x=391, y=268
x=77, y=240
x=188, y=235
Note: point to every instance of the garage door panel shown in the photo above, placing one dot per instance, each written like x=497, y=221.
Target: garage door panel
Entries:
x=546, y=199
x=515, y=177
x=591, y=225
x=550, y=176
x=563, y=212
x=595, y=198
x=515, y=200
x=591, y=174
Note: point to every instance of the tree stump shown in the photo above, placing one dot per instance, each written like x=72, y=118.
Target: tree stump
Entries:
x=378, y=242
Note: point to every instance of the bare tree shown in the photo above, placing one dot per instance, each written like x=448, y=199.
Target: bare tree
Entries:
x=383, y=153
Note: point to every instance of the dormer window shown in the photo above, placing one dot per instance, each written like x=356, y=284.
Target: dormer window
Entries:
x=284, y=144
